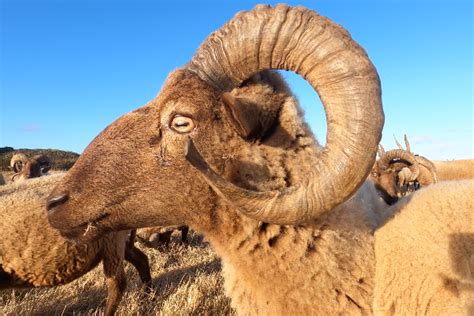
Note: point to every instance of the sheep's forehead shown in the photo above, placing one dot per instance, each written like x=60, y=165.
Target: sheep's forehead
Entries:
x=192, y=108
x=184, y=91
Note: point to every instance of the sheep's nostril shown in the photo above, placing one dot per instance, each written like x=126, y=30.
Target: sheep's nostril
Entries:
x=56, y=200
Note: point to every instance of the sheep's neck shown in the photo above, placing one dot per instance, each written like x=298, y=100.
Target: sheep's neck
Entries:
x=269, y=268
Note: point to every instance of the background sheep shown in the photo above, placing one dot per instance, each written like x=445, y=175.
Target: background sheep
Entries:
x=17, y=161
x=33, y=254
x=428, y=173
x=154, y=236
x=227, y=152
x=455, y=169
x=399, y=171
x=441, y=170
x=436, y=222
x=26, y=168
x=186, y=280
x=394, y=174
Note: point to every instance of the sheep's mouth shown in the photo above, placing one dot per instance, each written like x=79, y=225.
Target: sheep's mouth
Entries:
x=408, y=189
x=87, y=231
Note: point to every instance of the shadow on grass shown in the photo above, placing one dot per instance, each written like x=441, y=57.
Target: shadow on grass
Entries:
x=166, y=283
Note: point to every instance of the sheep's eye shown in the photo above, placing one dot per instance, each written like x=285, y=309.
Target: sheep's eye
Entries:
x=182, y=124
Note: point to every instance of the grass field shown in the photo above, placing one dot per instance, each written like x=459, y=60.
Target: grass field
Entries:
x=186, y=281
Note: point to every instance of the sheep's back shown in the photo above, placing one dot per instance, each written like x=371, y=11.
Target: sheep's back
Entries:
x=455, y=169
x=31, y=251
x=425, y=253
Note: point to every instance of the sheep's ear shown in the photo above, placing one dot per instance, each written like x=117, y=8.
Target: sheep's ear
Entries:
x=244, y=115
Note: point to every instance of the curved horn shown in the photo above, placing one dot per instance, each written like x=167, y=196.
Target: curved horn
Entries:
x=18, y=161
x=400, y=154
x=273, y=205
x=428, y=174
x=13, y=178
x=393, y=154
x=323, y=53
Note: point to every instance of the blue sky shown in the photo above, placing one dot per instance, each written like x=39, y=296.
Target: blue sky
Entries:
x=70, y=68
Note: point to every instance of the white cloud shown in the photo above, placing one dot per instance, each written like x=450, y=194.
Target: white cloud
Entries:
x=30, y=128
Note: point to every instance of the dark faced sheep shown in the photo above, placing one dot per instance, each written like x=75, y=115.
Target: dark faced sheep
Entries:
x=428, y=173
x=224, y=148
x=156, y=236
x=34, y=254
x=394, y=174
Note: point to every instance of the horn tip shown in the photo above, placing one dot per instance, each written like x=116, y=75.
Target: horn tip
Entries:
x=193, y=156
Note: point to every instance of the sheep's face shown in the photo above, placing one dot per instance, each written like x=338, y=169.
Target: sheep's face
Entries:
x=386, y=183
x=135, y=174
x=29, y=169
x=389, y=183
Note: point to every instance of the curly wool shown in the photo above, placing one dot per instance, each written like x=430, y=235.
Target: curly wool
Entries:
x=425, y=253
x=33, y=253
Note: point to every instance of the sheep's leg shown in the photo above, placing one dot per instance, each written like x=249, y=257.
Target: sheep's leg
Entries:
x=132, y=237
x=6, y=279
x=140, y=261
x=116, y=285
x=165, y=237
x=113, y=269
x=184, y=233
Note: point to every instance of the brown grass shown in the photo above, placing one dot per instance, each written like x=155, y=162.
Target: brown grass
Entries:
x=186, y=281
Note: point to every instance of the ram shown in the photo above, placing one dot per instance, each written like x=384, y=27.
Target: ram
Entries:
x=398, y=172
x=33, y=254
x=428, y=172
x=224, y=148
x=393, y=173
x=26, y=168
x=443, y=170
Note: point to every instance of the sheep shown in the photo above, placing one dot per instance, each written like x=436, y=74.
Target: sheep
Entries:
x=454, y=169
x=428, y=172
x=224, y=148
x=26, y=168
x=154, y=236
x=399, y=171
x=17, y=161
x=394, y=174
x=33, y=254
x=44, y=162
x=441, y=170
x=439, y=217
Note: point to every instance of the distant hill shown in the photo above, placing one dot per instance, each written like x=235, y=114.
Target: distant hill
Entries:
x=61, y=160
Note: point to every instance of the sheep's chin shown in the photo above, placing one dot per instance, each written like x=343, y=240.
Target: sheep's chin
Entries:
x=83, y=234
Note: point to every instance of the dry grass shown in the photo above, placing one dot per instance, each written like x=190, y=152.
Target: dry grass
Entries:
x=186, y=281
